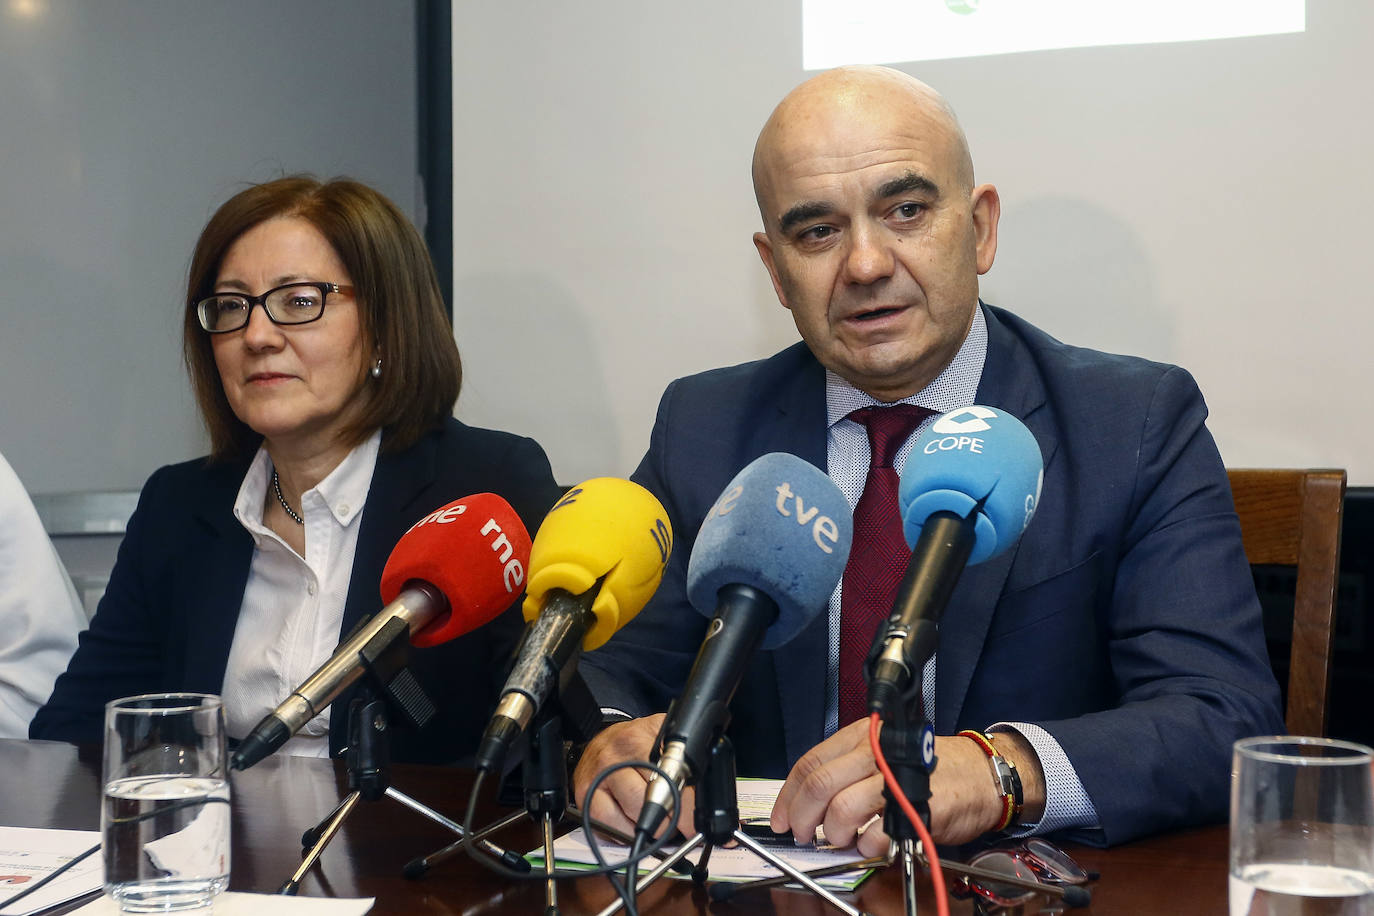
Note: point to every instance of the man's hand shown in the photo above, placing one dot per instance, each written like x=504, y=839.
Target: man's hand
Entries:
x=621, y=795
x=837, y=785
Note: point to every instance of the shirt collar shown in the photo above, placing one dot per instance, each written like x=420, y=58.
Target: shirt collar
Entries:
x=344, y=490
x=955, y=386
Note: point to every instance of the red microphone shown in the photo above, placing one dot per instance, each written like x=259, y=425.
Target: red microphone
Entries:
x=474, y=551
x=455, y=570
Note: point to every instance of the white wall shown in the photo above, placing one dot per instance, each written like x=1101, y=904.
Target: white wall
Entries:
x=1199, y=203
x=123, y=125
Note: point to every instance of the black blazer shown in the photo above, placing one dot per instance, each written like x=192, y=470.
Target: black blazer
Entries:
x=167, y=619
x=1124, y=623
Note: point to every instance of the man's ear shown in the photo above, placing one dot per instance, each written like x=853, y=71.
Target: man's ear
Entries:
x=987, y=210
x=764, y=245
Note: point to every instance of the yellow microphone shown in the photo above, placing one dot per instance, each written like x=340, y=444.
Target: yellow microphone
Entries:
x=595, y=562
x=608, y=530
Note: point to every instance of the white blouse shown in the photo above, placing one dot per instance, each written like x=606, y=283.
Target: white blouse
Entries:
x=293, y=606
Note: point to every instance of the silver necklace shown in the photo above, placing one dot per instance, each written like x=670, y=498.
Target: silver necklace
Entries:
x=276, y=486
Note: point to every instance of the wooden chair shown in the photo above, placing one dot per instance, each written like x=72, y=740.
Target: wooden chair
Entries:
x=1293, y=518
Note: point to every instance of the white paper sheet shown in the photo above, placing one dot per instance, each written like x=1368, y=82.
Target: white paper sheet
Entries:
x=755, y=797
x=232, y=903
x=27, y=854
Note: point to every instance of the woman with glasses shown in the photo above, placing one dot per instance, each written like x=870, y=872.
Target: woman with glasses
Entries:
x=326, y=372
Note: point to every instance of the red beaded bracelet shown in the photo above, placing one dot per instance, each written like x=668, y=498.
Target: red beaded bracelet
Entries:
x=1004, y=776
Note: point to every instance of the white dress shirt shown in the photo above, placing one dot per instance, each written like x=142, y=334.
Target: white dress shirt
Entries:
x=847, y=458
x=40, y=614
x=293, y=606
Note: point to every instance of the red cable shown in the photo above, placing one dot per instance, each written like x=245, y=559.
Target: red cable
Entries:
x=937, y=876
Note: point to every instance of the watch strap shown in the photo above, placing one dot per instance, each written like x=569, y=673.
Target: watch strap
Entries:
x=1004, y=776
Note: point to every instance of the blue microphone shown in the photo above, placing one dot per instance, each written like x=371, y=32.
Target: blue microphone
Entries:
x=766, y=559
x=969, y=488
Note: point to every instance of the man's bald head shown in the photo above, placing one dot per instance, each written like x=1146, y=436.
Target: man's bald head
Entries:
x=824, y=104
x=874, y=234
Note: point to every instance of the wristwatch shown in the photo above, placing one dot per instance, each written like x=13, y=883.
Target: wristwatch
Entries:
x=1004, y=776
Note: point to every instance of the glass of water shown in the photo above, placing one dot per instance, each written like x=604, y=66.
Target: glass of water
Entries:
x=164, y=819
x=1302, y=827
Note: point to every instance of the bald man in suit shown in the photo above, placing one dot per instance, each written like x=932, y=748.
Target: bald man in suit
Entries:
x=1111, y=658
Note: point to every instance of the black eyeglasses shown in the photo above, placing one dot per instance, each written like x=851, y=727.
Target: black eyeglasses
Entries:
x=294, y=303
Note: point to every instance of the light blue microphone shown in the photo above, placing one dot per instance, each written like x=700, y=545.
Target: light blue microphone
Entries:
x=781, y=527
x=973, y=457
x=969, y=488
x=769, y=553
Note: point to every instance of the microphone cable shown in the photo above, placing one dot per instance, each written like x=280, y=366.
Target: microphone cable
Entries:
x=937, y=875
x=638, y=851
x=468, y=843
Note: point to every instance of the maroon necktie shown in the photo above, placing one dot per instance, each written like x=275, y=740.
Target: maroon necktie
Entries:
x=879, y=557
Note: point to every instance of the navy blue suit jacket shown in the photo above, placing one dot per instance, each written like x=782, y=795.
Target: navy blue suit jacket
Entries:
x=1124, y=622
x=167, y=619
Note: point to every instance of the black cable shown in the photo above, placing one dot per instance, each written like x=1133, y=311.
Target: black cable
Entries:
x=468, y=844
x=636, y=853
x=174, y=806
x=632, y=873
x=475, y=852
x=589, y=828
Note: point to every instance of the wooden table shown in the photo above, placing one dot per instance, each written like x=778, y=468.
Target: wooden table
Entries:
x=46, y=784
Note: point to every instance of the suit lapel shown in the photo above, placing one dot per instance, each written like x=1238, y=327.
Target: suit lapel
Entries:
x=1009, y=382
x=394, y=503
x=392, y=507
x=798, y=427
x=220, y=573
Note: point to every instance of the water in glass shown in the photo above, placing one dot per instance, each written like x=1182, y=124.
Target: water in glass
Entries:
x=1282, y=889
x=166, y=841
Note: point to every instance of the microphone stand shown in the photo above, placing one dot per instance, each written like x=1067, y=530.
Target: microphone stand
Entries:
x=894, y=667
x=716, y=818
x=545, y=777
x=908, y=744
x=387, y=685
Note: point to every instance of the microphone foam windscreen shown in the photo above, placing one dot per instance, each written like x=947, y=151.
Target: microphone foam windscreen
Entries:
x=782, y=527
x=475, y=550
x=606, y=527
x=971, y=454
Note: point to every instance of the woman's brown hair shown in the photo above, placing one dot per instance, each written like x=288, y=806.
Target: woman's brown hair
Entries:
x=399, y=304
